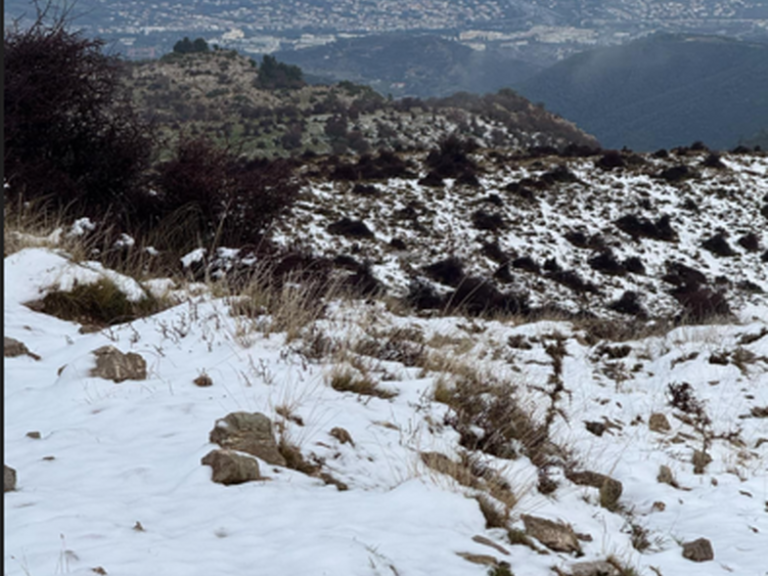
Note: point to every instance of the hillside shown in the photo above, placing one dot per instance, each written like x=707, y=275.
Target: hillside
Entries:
x=661, y=91
x=217, y=94
x=418, y=65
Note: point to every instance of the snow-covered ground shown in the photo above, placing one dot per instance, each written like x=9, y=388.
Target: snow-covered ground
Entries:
x=114, y=484
x=562, y=216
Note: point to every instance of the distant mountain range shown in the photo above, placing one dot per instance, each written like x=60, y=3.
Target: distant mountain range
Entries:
x=661, y=91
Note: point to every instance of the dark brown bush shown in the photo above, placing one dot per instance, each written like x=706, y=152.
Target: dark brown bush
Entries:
x=222, y=196
x=70, y=134
x=750, y=242
x=718, y=245
x=449, y=271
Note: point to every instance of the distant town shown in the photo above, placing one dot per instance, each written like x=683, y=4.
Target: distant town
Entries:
x=144, y=30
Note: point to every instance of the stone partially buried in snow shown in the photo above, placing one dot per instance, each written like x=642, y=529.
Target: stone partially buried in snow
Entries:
x=554, y=535
x=596, y=568
x=699, y=550
x=111, y=364
x=9, y=478
x=13, y=348
x=231, y=468
x=250, y=433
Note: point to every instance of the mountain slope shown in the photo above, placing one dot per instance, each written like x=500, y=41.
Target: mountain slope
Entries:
x=411, y=65
x=661, y=91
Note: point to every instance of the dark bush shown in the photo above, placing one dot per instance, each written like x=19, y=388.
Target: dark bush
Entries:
x=423, y=296
x=493, y=251
x=572, y=280
x=71, y=135
x=606, y=263
x=634, y=265
x=610, y=160
x=629, y=303
x=661, y=153
x=713, y=161
x=432, y=179
x=681, y=275
x=365, y=190
x=519, y=190
x=578, y=151
x=526, y=263
x=718, y=245
x=351, y=228
x=700, y=304
x=750, y=242
x=274, y=74
x=449, y=271
x=479, y=297
x=559, y=174
x=580, y=239
x=451, y=159
x=639, y=227
x=678, y=173
x=214, y=194
x=483, y=220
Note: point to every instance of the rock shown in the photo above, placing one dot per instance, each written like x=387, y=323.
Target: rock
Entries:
x=596, y=568
x=610, y=492
x=9, y=478
x=554, y=535
x=658, y=423
x=482, y=559
x=610, y=488
x=13, y=348
x=342, y=435
x=700, y=461
x=699, y=550
x=111, y=364
x=666, y=477
x=596, y=428
x=203, y=381
x=35, y=435
x=231, y=468
x=250, y=433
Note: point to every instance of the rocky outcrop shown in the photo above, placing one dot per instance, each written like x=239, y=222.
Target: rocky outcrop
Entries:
x=610, y=488
x=112, y=364
x=231, y=468
x=658, y=422
x=250, y=433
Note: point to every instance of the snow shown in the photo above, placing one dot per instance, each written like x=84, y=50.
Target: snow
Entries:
x=114, y=455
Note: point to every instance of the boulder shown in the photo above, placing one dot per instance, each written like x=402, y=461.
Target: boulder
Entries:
x=699, y=550
x=231, y=468
x=658, y=422
x=9, y=478
x=250, y=433
x=111, y=364
x=554, y=535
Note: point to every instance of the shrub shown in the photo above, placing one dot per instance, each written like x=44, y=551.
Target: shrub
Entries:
x=701, y=304
x=451, y=159
x=71, y=135
x=101, y=303
x=274, y=74
x=718, y=245
x=221, y=197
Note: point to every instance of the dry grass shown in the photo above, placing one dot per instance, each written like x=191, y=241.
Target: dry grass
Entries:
x=101, y=303
x=345, y=379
